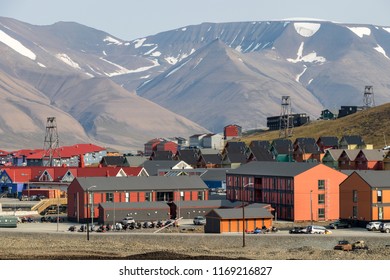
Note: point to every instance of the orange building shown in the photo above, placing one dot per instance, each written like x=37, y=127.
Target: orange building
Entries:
x=298, y=191
x=230, y=220
x=365, y=196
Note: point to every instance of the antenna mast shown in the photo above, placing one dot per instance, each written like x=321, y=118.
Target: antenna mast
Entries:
x=286, y=123
x=368, y=100
x=51, y=142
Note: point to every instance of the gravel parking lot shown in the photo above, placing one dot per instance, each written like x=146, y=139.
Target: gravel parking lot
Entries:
x=54, y=241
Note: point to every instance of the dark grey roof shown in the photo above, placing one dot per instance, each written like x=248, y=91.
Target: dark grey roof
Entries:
x=329, y=141
x=114, y=160
x=305, y=141
x=282, y=146
x=161, y=155
x=353, y=139
x=235, y=147
x=135, y=183
x=190, y=156
x=236, y=213
x=152, y=166
x=212, y=158
x=375, y=178
x=261, y=153
x=269, y=168
x=235, y=158
x=215, y=174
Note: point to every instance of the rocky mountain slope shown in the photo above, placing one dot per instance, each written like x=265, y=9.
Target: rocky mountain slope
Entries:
x=180, y=82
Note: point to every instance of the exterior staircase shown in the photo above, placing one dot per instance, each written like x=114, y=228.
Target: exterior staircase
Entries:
x=46, y=203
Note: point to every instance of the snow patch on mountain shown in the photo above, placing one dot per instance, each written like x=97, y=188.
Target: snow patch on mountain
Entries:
x=67, y=60
x=151, y=50
x=386, y=29
x=381, y=50
x=111, y=40
x=173, y=60
x=122, y=70
x=311, y=57
x=297, y=78
x=177, y=68
x=139, y=42
x=360, y=31
x=16, y=45
x=41, y=65
x=306, y=29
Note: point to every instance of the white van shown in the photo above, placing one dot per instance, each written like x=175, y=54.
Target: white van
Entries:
x=316, y=229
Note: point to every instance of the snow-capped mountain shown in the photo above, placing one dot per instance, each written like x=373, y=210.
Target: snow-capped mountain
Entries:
x=213, y=74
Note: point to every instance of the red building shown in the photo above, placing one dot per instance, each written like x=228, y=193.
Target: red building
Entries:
x=232, y=131
x=167, y=146
x=129, y=190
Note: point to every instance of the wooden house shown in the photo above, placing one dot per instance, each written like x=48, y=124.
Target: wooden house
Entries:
x=331, y=158
x=327, y=142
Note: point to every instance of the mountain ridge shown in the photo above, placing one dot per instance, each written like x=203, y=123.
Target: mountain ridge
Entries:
x=66, y=65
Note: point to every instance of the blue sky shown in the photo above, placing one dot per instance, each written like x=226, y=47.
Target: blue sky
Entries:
x=131, y=19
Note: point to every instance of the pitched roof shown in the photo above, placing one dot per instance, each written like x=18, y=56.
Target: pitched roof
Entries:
x=374, y=155
x=112, y=184
x=270, y=168
x=190, y=156
x=282, y=146
x=152, y=166
x=330, y=141
x=161, y=155
x=351, y=154
x=215, y=174
x=212, y=158
x=261, y=151
x=375, y=178
x=136, y=160
x=334, y=153
x=353, y=139
x=114, y=161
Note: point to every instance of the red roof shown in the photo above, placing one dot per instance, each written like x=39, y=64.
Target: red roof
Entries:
x=69, y=151
x=3, y=153
x=33, y=173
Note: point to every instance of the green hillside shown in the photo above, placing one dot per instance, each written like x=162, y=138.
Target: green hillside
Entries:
x=372, y=124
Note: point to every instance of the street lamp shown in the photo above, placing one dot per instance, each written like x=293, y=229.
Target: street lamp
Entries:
x=243, y=213
x=88, y=200
x=311, y=208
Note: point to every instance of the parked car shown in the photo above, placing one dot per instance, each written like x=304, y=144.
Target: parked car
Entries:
x=297, y=230
x=384, y=227
x=128, y=220
x=374, y=225
x=340, y=224
x=316, y=229
x=199, y=220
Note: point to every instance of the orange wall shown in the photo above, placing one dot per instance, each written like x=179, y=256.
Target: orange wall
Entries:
x=251, y=224
x=308, y=181
x=364, y=198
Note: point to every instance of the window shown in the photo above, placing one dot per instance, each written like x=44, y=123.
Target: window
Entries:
x=321, y=184
x=380, y=213
x=355, y=195
x=148, y=196
x=354, y=212
x=109, y=197
x=200, y=195
x=127, y=197
x=321, y=212
x=379, y=197
x=321, y=198
x=165, y=196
